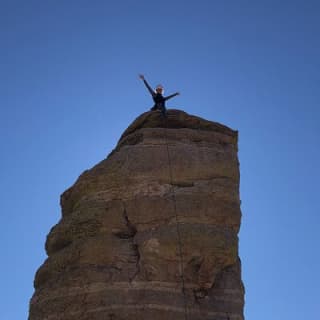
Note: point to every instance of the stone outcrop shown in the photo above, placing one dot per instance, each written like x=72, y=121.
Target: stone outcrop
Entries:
x=151, y=231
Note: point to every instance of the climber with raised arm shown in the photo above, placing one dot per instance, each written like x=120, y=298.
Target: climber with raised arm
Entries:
x=157, y=96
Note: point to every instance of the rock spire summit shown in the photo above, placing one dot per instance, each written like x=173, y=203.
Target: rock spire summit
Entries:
x=150, y=232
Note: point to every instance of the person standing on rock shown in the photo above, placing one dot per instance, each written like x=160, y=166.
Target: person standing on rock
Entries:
x=157, y=96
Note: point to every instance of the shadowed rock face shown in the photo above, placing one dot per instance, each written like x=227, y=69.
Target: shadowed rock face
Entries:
x=151, y=231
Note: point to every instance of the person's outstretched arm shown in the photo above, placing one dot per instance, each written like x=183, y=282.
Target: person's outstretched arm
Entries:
x=147, y=84
x=171, y=96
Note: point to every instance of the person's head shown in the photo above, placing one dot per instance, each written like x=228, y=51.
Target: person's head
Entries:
x=159, y=89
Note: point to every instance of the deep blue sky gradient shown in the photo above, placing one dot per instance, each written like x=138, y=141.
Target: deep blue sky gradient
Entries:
x=69, y=88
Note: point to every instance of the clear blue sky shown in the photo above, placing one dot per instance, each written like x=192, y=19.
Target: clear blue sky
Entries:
x=69, y=88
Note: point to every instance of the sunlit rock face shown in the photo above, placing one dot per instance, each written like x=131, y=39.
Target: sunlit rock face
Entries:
x=151, y=231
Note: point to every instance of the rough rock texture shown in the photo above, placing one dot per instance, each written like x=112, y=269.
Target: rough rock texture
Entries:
x=151, y=231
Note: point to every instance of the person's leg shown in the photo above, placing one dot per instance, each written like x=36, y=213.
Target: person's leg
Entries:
x=163, y=111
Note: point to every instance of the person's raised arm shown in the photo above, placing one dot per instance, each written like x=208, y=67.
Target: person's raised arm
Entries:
x=171, y=96
x=147, y=84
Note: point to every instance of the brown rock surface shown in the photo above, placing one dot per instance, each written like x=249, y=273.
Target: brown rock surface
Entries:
x=151, y=231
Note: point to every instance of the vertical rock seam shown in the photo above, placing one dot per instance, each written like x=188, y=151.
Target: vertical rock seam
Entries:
x=151, y=232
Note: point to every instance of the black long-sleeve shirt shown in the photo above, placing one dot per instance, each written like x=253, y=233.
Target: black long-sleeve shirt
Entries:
x=158, y=98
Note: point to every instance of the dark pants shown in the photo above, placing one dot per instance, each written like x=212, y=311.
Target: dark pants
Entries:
x=161, y=108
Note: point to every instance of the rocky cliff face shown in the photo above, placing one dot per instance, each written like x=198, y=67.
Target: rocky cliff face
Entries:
x=151, y=231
